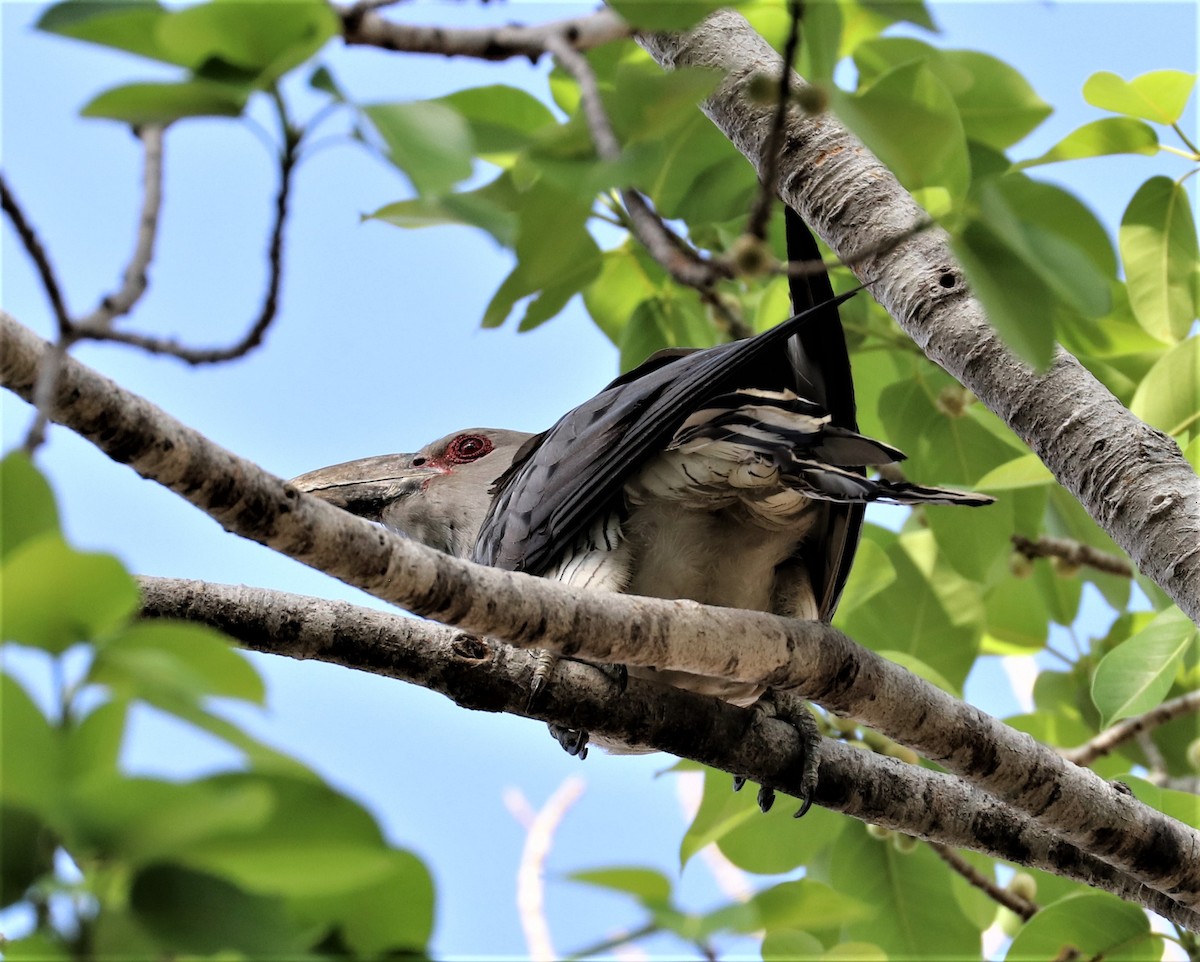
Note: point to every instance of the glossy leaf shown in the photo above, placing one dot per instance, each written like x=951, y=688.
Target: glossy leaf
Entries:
x=55, y=596
x=1159, y=250
x=491, y=207
x=428, y=141
x=1184, y=806
x=914, y=912
x=160, y=103
x=1090, y=924
x=871, y=574
x=910, y=121
x=1025, y=471
x=1159, y=96
x=27, y=506
x=1169, y=396
x=130, y=25
x=646, y=885
x=624, y=282
x=1100, y=138
x=996, y=104
x=502, y=119
x=1136, y=676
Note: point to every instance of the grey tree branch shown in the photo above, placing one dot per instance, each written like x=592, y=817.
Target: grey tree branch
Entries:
x=484, y=675
x=363, y=26
x=133, y=285
x=1130, y=728
x=814, y=659
x=1072, y=552
x=1130, y=478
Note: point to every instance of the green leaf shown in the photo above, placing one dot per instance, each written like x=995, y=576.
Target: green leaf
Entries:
x=130, y=25
x=164, y=662
x=502, y=119
x=429, y=141
x=996, y=103
x=26, y=502
x=804, y=904
x=625, y=281
x=646, y=885
x=28, y=847
x=391, y=916
x=91, y=747
x=910, y=121
x=1184, y=806
x=1136, y=675
x=1033, y=252
x=492, y=207
x=247, y=42
x=160, y=103
x=1026, y=471
x=656, y=15
x=871, y=573
x=197, y=913
x=316, y=843
x=915, y=914
x=1169, y=396
x=1087, y=924
x=55, y=596
x=144, y=820
x=31, y=751
x=1159, y=250
x=788, y=945
x=1159, y=96
x=1017, y=620
x=1100, y=138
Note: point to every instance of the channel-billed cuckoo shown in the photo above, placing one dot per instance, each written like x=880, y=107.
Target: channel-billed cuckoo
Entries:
x=731, y=476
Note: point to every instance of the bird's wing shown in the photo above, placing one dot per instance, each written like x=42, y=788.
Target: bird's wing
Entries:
x=822, y=361
x=578, y=469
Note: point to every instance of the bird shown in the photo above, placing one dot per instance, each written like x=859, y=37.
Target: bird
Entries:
x=731, y=476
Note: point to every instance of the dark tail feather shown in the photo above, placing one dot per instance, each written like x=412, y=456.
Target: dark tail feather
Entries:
x=905, y=492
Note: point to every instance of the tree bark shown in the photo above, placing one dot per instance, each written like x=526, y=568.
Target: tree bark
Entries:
x=1132, y=479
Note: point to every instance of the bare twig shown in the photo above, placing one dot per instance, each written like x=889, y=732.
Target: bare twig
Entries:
x=680, y=260
x=532, y=870
x=37, y=253
x=1128, y=728
x=488, y=43
x=768, y=184
x=1072, y=552
x=133, y=285
x=1010, y=900
x=270, y=305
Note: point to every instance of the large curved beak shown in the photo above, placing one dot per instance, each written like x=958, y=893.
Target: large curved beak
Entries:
x=366, y=486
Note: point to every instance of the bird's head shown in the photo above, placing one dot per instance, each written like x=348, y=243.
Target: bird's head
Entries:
x=438, y=496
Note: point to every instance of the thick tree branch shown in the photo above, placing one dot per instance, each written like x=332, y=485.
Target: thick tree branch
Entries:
x=479, y=674
x=360, y=26
x=814, y=659
x=1130, y=478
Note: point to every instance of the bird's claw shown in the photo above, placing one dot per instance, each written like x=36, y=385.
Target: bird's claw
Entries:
x=574, y=741
x=791, y=709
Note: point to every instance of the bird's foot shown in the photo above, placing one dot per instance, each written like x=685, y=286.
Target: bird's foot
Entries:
x=792, y=709
x=574, y=741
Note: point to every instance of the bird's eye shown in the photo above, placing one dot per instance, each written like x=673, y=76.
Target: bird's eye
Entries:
x=467, y=447
x=418, y=461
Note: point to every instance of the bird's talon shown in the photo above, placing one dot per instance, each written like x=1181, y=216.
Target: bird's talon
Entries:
x=738, y=782
x=805, y=805
x=766, y=798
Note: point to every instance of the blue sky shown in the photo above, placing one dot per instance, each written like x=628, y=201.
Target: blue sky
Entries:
x=378, y=349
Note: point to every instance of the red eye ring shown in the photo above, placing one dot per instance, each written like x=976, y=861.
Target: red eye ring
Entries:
x=467, y=447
